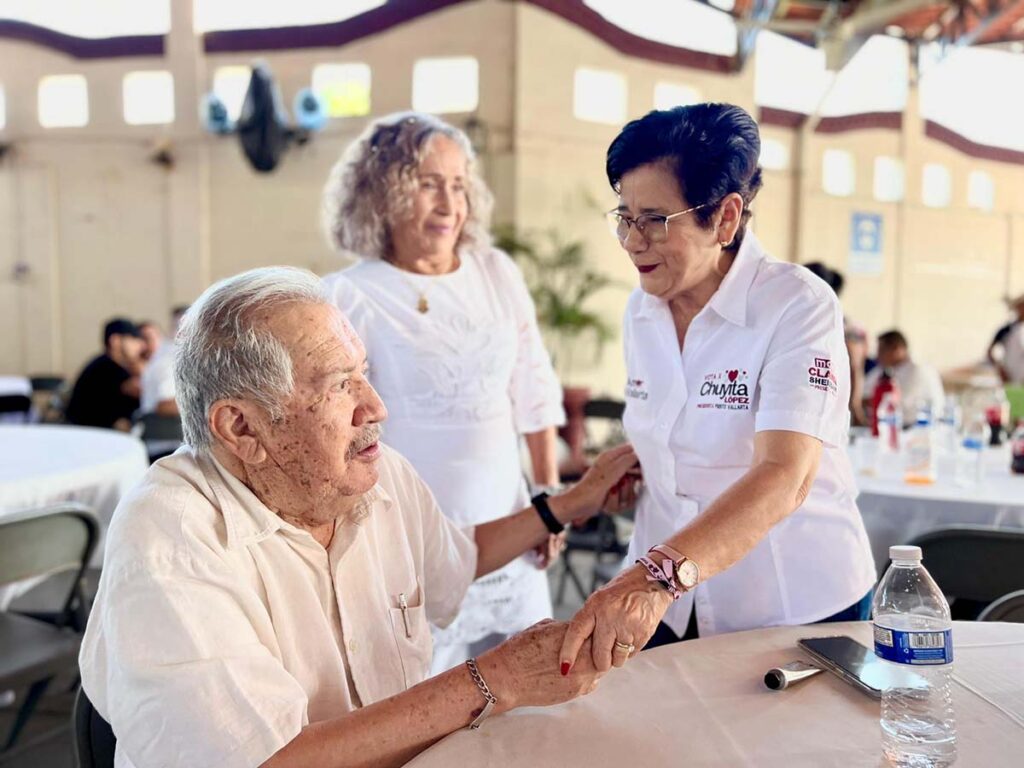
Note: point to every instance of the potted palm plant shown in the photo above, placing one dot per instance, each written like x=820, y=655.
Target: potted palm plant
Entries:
x=561, y=282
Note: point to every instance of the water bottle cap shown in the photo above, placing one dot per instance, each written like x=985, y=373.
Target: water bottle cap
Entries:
x=905, y=552
x=973, y=444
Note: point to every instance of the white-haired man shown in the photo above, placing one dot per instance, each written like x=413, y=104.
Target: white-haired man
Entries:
x=267, y=589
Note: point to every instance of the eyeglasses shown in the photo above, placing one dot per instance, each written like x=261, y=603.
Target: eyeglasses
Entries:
x=652, y=227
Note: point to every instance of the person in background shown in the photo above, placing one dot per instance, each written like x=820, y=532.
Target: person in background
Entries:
x=106, y=393
x=158, y=377
x=1006, y=352
x=153, y=336
x=919, y=383
x=454, y=348
x=856, y=344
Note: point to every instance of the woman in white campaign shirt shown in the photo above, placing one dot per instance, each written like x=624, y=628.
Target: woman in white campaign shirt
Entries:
x=453, y=346
x=736, y=403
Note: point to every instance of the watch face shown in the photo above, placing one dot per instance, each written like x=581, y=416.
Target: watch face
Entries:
x=688, y=574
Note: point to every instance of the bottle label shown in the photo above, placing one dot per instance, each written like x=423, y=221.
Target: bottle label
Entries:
x=907, y=647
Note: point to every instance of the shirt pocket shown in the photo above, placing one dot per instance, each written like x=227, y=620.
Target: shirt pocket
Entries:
x=412, y=635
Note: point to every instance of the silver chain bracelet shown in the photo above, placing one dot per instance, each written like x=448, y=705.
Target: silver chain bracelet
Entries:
x=482, y=685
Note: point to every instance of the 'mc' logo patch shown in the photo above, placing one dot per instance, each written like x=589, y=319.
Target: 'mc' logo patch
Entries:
x=820, y=375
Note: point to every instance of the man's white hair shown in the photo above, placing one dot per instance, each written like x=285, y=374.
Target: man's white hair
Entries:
x=223, y=349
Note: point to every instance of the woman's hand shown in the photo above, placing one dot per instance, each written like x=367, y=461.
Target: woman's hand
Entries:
x=523, y=671
x=547, y=552
x=586, y=498
x=623, y=613
x=624, y=494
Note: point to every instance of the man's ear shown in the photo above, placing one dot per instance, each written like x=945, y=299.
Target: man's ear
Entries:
x=232, y=423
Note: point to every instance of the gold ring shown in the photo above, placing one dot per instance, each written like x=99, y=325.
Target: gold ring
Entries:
x=627, y=647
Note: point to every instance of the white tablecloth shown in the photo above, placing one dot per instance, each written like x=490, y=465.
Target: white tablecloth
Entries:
x=44, y=464
x=895, y=512
x=703, y=703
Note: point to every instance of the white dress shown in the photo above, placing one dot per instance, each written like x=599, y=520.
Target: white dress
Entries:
x=461, y=382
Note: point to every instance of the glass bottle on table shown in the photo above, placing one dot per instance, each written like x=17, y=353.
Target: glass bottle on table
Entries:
x=1017, y=449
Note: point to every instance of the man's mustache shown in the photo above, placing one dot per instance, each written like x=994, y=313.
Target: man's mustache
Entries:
x=366, y=438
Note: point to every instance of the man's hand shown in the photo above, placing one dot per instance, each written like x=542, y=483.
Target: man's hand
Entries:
x=524, y=670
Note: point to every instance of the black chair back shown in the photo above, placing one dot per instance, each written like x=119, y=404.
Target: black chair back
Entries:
x=15, y=404
x=95, y=742
x=46, y=383
x=157, y=427
x=974, y=564
x=604, y=409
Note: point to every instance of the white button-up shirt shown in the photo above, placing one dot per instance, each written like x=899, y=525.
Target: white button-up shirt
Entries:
x=220, y=630
x=766, y=353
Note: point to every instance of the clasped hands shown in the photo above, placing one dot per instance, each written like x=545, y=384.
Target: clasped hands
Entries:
x=552, y=662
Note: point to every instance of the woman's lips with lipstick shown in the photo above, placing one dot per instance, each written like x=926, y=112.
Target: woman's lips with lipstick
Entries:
x=645, y=268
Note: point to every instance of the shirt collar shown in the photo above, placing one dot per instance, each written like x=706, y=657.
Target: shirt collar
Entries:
x=249, y=521
x=730, y=300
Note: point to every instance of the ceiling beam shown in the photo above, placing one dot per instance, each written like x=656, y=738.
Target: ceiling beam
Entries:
x=1004, y=14
x=762, y=12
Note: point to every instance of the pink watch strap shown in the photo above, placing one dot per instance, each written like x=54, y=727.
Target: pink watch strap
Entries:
x=664, y=574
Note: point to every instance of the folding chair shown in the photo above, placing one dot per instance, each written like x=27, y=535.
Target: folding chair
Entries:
x=16, y=404
x=1007, y=608
x=162, y=434
x=600, y=535
x=94, y=738
x=35, y=648
x=974, y=565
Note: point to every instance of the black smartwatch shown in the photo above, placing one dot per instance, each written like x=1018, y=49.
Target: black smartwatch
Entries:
x=540, y=503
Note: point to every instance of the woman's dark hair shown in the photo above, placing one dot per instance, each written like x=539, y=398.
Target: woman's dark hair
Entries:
x=712, y=149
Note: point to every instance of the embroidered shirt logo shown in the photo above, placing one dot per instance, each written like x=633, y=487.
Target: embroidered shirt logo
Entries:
x=727, y=390
x=820, y=376
x=635, y=389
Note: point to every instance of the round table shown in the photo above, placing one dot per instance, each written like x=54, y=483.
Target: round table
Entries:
x=43, y=464
x=896, y=512
x=703, y=703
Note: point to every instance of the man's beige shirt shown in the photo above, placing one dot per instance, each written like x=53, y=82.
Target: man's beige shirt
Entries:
x=220, y=630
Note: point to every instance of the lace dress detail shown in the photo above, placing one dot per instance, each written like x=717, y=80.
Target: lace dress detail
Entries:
x=461, y=382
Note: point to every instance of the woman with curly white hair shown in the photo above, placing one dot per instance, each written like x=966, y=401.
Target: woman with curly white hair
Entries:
x=453, y=346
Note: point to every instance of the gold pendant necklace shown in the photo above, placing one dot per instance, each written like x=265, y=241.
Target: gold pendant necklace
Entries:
x=422, y=306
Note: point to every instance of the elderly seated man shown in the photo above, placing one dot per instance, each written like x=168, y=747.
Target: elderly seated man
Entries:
x=267, y=589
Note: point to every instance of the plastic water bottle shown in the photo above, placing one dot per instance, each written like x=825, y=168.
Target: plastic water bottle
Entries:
x=920, y=451
x=913, y=635
x=970, y=461
x=949, y=426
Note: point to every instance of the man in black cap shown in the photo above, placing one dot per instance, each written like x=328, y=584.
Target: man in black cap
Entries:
x=107, y=391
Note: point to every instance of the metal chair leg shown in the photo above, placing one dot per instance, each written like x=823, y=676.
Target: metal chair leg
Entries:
x=28, y=706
